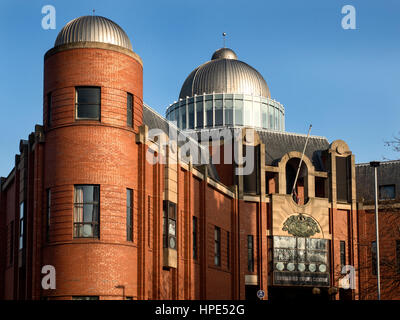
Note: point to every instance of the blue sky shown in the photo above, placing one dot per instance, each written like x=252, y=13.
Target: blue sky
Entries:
x=344, y=82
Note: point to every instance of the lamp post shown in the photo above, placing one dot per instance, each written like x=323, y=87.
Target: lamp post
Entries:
x=375, y=165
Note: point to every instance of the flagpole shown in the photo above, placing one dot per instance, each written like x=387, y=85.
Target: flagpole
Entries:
x=301, y=161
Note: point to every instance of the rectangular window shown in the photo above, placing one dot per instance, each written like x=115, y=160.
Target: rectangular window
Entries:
x=129, y=215
x=209, y=113
x=85, y=298
x=398, y=255
x=21, y=225
x=373, y=252
x=342, y=253
x=11, y=257
x=48, y=213
x=191, y=115
x=342, y=178
x=129, y=110
x=217, y=246
x=169, y=224
x=182, y=116
x=86, y=211
x=194, y=238
x=218, y=113
x=199, y=114
x=49, y=106
x=387, y=192
x=239, y=112
x=88, y=103
x=228, y=112
x=250, y=253
x=228, y=248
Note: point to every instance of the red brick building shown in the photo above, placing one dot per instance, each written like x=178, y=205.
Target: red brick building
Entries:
x=127, y=205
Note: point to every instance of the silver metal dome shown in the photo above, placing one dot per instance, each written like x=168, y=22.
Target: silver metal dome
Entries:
x=224, y=74
x=93, y=29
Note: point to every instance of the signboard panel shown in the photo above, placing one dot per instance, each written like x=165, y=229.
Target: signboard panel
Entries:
x=300, y=261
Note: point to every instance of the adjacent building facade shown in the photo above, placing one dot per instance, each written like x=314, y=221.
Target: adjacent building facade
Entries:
x=125, y=204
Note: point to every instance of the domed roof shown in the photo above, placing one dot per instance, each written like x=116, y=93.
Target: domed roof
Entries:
x=224, y=74
x=93, y=29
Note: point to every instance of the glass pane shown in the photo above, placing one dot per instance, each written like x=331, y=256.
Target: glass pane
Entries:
x=191, y=116
x=218, y=113
x=199, y=115
x=239, y=112
x=88, y=95
x=248, y=113
x=209, y=113
x=256, y=114
x=88, y=111
x=264, y=115
x=228, y=112
x=171, y=227
x=182, y=114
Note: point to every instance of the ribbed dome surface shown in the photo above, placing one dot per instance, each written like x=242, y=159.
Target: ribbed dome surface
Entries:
x=93, y=29
x=225, y=74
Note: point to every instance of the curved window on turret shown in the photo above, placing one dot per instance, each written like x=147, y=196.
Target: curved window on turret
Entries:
x=209, y=112
x=228, y=112
x=199, y=112
x=218, y=112
x=191, y=115
x=239, y=112
x=88, y=103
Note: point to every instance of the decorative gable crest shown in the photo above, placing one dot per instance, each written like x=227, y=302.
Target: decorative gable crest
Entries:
x=301, y=226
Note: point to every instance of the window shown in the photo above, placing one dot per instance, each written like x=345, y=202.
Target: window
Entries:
x=191, y=115
x=85, y=298
x=86, y=211
x=342, y=178
x=48, y=213
x=49, y=106
x=229, y=112
x=373, y=252
x=11, y=242
x=218, y=113
x=88, y=103
x=228, y=247
x=387, y=192
x=342, y=253
x=217, y=246
x=199, y=114
x=239, y=112
x=21, y=225
x=129, y=110
x=169, y=224
x=398, y=255
x=194, y=238
x=209, y=113
x=250, y=253
x=129, y=215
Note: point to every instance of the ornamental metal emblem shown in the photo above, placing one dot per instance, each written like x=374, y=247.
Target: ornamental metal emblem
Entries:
x=301, y=226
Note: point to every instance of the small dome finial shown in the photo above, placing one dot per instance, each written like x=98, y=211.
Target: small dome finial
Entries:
x=224, y=35
x=224, y=53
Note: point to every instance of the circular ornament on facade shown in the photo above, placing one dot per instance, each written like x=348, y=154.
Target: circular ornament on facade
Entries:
x=340, y=149
x=322, y=268
x=280, y=266
x=301, y=267
x=290, y=266
x=172, y=243
x=312, y=267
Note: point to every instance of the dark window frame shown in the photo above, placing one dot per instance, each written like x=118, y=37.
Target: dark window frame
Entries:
x=217, y=246
x=169, y=224
x=342, y=253
x=79, y=225
x=22, y=224
x=374, y=258
x=129, y=110
x=250, y=253
x=381, y=191
x=77, y=103
x=129, y=214
x=48, y=213
x=11, y=257
x=194, y=226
